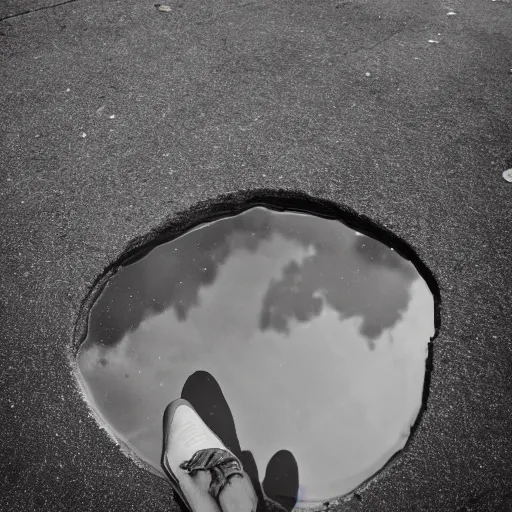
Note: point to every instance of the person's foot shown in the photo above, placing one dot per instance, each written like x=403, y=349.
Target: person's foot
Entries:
x=202, y=470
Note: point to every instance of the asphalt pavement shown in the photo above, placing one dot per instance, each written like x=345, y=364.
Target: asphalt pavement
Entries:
x=120, y=121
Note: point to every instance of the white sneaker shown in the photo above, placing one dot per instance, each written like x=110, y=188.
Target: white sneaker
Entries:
x=189, y=447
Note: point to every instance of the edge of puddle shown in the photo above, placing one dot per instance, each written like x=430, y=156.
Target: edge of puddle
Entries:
x=233, y=204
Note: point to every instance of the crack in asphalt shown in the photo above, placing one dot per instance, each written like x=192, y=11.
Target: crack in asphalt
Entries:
x=28, y=11
x=382, y=41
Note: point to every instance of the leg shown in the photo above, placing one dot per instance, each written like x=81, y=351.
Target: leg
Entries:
x=205, y=474
x=195, y=490
x=238, y=495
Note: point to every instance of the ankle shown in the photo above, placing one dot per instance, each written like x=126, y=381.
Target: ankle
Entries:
x=238, y=495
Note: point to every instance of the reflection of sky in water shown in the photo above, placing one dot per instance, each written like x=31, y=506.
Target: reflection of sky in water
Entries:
x=317, y=337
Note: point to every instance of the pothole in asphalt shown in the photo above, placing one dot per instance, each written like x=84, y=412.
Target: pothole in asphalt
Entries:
x=311, y=336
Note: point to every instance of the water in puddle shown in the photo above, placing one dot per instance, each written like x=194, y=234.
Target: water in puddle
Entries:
x=310, y=336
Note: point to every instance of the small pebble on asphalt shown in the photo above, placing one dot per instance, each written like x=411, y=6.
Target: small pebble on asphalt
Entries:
x=163, y=8
x=508, y=175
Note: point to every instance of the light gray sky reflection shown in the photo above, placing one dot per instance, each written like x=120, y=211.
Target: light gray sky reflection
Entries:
x=316, y=335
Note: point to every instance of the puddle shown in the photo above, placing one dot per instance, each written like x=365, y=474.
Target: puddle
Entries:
x=311, y=336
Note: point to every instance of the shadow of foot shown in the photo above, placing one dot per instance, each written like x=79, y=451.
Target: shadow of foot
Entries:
x=281, y=499
x=281, y=481
x=204, y=393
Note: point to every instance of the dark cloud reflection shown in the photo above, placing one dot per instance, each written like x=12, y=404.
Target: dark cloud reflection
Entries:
x=171, y=276
x=353, y=274
x=358, y=277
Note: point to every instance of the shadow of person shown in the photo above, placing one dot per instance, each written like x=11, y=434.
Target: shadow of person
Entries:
x=281, y=483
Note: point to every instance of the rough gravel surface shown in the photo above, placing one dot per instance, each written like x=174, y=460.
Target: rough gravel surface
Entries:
x=119, y=119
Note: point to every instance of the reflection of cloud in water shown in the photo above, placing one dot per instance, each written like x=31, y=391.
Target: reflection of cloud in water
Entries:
x=362, y=278
x=320, y=383
x=355, y=275
x=171, y=276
